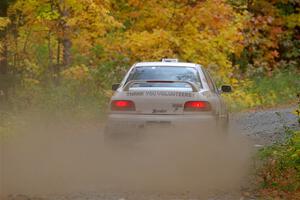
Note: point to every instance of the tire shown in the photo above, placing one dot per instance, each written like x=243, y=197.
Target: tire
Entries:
x=223, y=125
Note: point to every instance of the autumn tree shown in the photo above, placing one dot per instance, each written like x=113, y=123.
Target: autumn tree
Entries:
x=57, y=29
x=205, y=32
x=3, y=31
x=48, y=38
x=271, y=36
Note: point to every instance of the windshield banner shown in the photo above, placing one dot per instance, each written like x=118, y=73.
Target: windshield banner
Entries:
x=161, y=93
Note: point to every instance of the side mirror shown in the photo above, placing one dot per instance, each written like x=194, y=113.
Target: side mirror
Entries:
x=226, y=88
x=115, y=86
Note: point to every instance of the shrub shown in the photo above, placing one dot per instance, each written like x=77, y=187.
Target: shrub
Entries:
x=281, y=88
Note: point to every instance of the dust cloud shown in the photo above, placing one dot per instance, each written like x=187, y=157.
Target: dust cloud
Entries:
x=52, y=156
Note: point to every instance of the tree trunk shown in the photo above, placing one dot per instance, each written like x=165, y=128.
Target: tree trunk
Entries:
x=3, y=40
x=50, y=55
x=67, y=44
x=3, y=54
x=56, y=67
x=66, y=41
x=3, y=70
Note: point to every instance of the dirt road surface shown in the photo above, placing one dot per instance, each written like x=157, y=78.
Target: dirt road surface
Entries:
x=68, y=160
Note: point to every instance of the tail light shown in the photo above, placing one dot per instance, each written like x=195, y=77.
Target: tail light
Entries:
x=195, y=106
x=122, y=105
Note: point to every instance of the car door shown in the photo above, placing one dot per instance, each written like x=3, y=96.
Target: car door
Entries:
x=222, y=111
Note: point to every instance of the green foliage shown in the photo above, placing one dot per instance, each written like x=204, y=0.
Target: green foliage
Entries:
x=86, y=45
x=280, y=173
x=6, y=124
x=75, y=97
x=222, y=35
x=263, y=91
x=297, y=111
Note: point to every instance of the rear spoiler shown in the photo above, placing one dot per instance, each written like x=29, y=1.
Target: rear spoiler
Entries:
x=129, y=83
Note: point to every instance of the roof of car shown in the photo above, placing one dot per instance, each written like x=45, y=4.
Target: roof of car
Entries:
x=166, y=64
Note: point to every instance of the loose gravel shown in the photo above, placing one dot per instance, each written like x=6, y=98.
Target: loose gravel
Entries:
x=266, y=126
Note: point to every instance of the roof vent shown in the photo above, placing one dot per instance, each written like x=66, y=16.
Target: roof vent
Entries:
x=169, y=60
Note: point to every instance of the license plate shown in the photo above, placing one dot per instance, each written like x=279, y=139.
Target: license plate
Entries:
x=159, y=123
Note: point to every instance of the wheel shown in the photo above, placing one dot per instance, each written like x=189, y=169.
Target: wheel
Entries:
x=223, y=125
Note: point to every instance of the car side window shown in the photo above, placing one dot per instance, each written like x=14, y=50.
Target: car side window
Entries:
x=210, y=81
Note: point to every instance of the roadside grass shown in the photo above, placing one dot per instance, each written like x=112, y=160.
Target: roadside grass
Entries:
x=69, y=100
x=260, y=92
x=279, y=175
x=76, y=98
x=6, y=124
x=87, y=98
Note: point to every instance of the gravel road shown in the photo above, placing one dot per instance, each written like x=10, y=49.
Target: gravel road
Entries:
x=261, y=127
x=266, y=126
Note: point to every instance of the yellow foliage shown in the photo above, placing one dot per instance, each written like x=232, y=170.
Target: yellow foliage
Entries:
x=29, y=82
x=293, y=20
x=80, y=21
x=239, y=98
x=149, y=45
x=4, y=21
x=205, y=32
x=245, y=96
x=79, y=73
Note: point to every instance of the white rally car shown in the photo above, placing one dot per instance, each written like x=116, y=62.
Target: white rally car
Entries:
x=166, y=93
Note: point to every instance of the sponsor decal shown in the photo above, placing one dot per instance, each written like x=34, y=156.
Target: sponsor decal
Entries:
x=160, y=93
x=176, y=106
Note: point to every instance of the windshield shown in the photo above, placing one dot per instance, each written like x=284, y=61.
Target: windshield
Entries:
x=164, y=74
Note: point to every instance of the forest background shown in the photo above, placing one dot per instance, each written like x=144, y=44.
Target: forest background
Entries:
x=64, y=55
x=60, y=58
